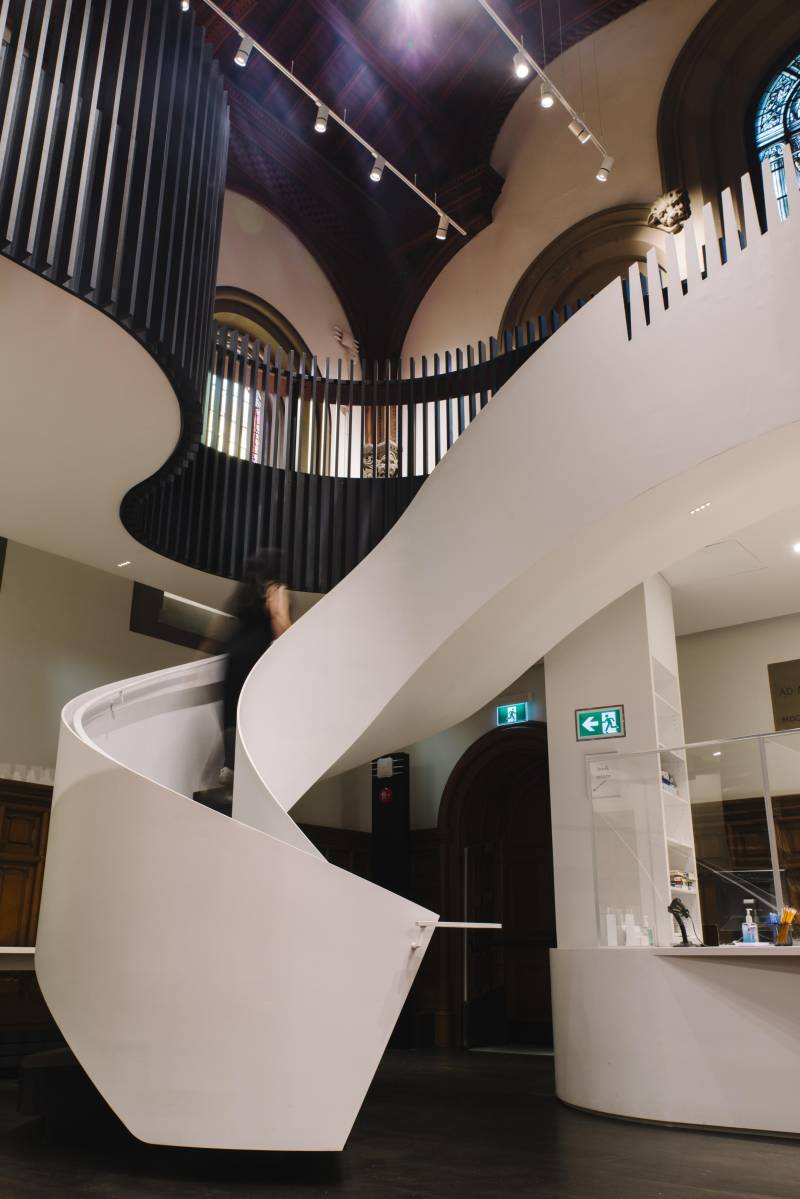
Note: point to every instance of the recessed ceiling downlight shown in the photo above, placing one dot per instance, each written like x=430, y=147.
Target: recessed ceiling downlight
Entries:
x=700, y=508
x=796, y=547
x=121, y=564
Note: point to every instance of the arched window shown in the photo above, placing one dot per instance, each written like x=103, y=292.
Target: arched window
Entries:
x=777, y=122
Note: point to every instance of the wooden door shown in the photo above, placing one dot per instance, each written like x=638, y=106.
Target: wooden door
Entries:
x=484, y=981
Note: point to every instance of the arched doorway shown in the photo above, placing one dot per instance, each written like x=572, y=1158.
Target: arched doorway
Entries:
x=494, y=826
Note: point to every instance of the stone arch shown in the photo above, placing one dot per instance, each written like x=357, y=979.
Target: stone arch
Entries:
x=582, y=260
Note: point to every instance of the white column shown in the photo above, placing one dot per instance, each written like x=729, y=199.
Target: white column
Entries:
x=604, y=663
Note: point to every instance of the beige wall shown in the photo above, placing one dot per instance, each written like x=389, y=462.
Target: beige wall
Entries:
x=549, y=177
x=260, y=255
x=723, y=673
x=63, y=630
x=345, y=801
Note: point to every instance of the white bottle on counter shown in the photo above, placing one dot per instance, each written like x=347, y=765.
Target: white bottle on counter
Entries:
x=612, y=934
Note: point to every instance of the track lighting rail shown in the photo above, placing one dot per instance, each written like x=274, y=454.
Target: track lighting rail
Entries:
x=324, y=114
x=550, y=92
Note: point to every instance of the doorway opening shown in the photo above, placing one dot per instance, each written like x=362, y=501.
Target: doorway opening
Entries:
x=494, y=826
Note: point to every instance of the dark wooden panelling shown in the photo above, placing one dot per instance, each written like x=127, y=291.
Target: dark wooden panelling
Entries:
x=24, y=821
x=348, y=848
x=25, y=1023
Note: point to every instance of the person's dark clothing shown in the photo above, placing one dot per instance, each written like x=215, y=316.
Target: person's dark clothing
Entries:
x=251, y=641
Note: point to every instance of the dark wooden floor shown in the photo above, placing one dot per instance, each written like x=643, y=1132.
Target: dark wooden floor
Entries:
x=434, y=1127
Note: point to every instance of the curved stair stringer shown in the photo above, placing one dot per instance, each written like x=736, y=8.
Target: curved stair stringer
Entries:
x=535, y=519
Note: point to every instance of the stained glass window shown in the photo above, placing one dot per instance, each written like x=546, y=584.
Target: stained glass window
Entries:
x=778, y=122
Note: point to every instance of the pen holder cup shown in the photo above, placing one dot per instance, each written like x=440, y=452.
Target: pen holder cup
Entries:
x=783, y=934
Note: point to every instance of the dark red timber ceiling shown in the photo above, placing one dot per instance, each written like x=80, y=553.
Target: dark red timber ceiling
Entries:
x=428, y=83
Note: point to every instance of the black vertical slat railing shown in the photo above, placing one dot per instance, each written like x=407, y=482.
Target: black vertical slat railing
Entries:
x=113, y=153
x=317, y=463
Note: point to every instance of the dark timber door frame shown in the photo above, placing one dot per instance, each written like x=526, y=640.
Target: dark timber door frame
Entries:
x=463, y=808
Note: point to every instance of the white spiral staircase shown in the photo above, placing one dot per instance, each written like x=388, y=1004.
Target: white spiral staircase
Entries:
x=220, y=982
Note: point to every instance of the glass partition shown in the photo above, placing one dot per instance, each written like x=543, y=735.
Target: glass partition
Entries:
x=627, y=843
x=731, y=837
x=708, y=830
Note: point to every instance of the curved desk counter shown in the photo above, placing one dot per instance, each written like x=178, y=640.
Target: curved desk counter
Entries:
x=698, y=1036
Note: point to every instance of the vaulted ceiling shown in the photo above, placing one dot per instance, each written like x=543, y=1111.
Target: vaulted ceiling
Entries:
x=428, y=83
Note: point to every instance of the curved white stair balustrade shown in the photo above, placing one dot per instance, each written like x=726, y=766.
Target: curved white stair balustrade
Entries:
x=221, y=987
x=574, y=484
x=220, y=982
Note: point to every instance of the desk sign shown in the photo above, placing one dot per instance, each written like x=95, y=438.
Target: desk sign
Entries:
x=512, y=714
x=599, y=724
x=784, y=687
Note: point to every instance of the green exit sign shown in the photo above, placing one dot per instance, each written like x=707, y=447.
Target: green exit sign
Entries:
x=598, y=724
x=512, y=713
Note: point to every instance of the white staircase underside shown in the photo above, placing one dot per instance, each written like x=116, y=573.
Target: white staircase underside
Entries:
x=87, y=414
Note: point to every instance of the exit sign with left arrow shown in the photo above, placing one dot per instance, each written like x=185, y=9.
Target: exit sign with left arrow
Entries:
x=599, y=724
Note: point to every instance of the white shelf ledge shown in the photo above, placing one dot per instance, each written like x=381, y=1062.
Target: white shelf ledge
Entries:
x=764, y=950
x=14, y=958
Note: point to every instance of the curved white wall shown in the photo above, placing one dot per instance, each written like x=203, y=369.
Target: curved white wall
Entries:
x=686, y=1038
x=261, y=255
x=550, y=182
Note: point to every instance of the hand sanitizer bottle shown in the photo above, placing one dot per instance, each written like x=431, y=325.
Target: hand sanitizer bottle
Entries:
x=749, y=928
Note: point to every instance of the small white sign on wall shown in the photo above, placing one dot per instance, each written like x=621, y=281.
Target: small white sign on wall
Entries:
x=601, y=776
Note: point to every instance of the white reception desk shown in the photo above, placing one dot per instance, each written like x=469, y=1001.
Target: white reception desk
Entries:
x=688, y=1036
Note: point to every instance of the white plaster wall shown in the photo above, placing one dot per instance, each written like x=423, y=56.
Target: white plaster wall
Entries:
x=64, y=629
x=346, y=800
x=549, y=177
x=723, y=675
x=261, y=255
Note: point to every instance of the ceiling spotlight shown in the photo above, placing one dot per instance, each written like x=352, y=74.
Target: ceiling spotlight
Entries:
x=717, y=753
x=701, y=508
x=377, y=169
x=577, y=127
x=121, y=564
x=546, y=99
x=243, y=53
x=441, y=228
x=522, y=68
x=185, y=5
x=796, y=547
x=321, y=122
x=584, y=136
x=605, y=169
